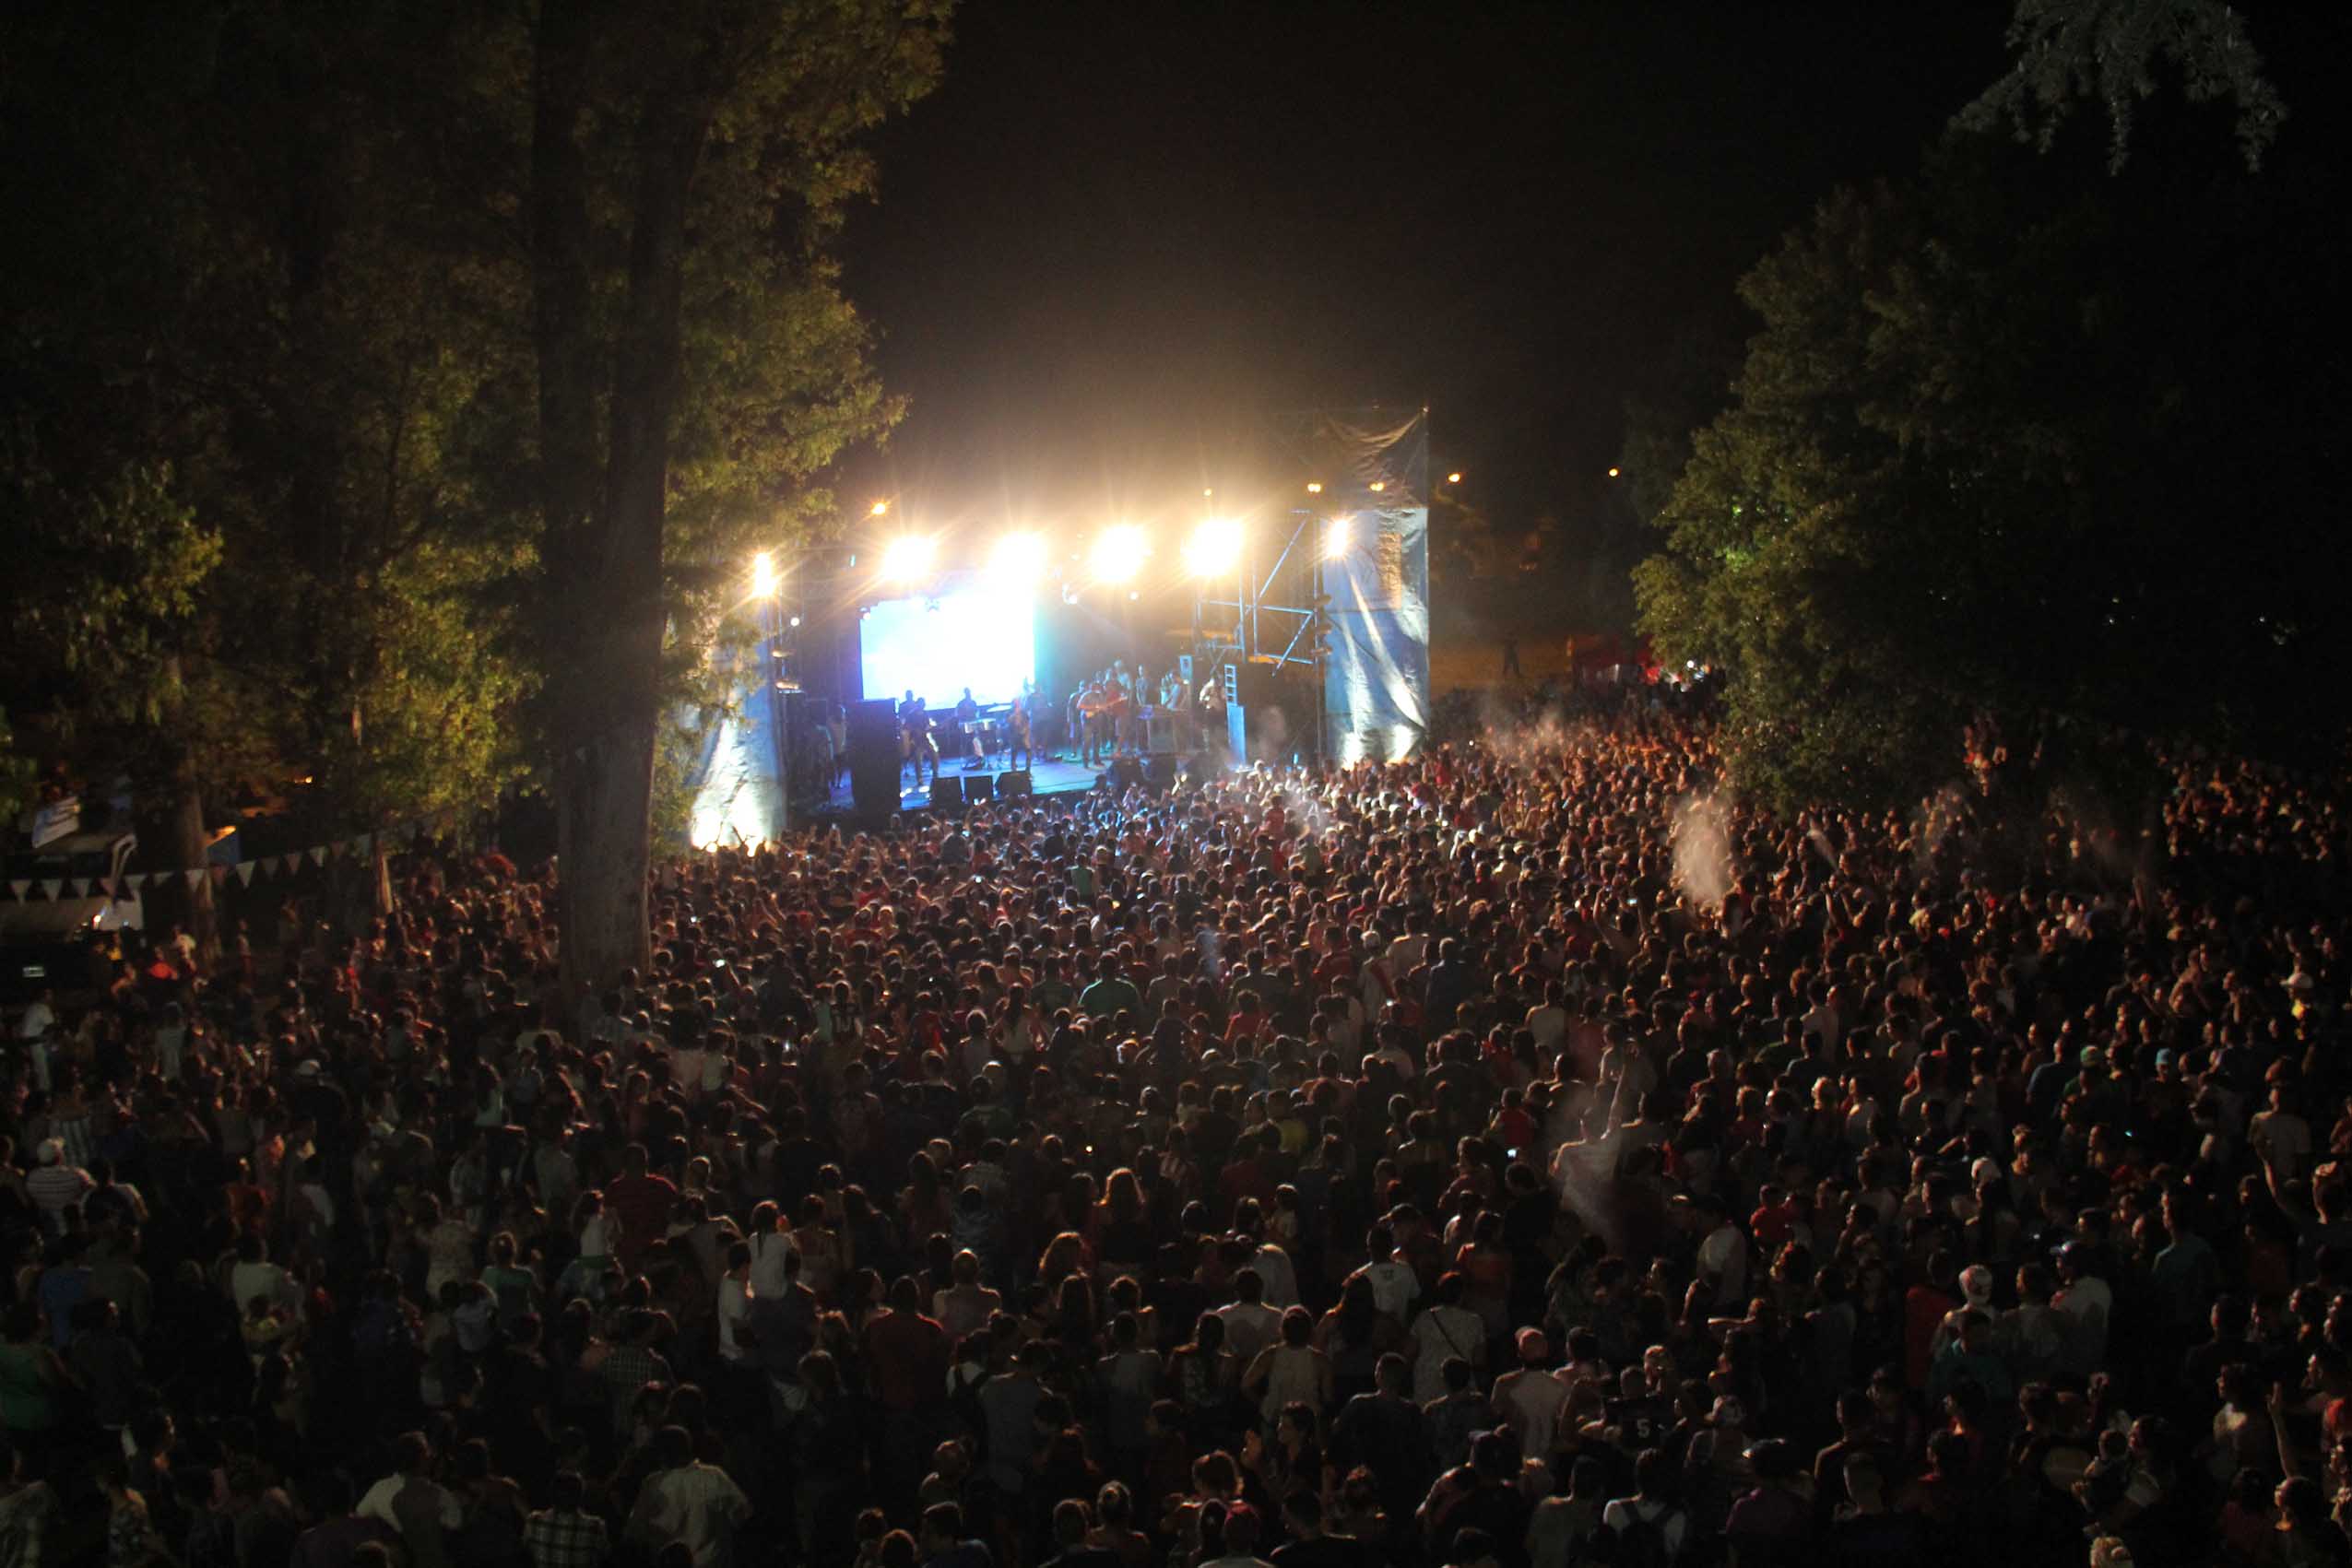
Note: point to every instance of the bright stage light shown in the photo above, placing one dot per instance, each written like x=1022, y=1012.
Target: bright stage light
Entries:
x=906, y=557
x=1338, y=535
x=796, y=620
x=879, y=509
x=1313, y=489
x=1379, y=485
x=1214, y=548
x=1019, y=561
x=1119, y=553
x=1453, y=478
x=1612, y=473
x=763, y=576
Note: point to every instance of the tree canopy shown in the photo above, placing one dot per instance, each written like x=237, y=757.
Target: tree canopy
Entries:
x=386, y=389
x=2012, y=439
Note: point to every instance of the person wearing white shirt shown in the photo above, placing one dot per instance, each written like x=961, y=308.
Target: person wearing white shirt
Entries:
x=734, y=1302
x=1250, y=1323
x=39, y=1019
x=1723, y=1254
x=1394, y=1284
x=2085, y=1303
x=1444, y=1329
x=1549, y=1023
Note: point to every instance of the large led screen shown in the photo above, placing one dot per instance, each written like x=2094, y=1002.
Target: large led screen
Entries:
x=937, y=646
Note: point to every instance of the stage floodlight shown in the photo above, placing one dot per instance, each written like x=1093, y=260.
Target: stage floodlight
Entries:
x=1338, y=535
x=1612, y=473
x=1018, y=562
x=765, y=579
x=879, y=509
x=1379, y=485
x=1214, y=548
x=796, y=620
x=906, y=557
x=1453, y=478
x=1119, y=553
x=1314, y=488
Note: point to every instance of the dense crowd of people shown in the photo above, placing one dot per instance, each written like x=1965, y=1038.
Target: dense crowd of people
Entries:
x=1522, y=1156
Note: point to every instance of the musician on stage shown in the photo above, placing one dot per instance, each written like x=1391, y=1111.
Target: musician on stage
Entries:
x=1094, y=707
x=967, y=724
x=914, y=737
x=1017, y=752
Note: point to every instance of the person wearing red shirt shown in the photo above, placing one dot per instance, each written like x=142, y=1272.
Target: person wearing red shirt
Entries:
x=1775, y=1219
x=909, y=1352
x=643, y=1202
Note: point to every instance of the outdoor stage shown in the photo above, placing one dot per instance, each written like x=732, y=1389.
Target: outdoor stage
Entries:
x=1045, y=778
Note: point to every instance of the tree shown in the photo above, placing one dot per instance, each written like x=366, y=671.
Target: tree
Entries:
x=2010, y=439
x=241, y=313
x=695, y=359
x=2119, y=52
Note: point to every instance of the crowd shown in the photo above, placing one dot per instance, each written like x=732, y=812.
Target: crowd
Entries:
x=1523, y=1156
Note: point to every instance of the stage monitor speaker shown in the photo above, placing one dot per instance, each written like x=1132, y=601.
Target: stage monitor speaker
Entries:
x=873, y=758
x=980, y=788
x=1126, y=772
x=947, y=793
x=873, y=723
x=1015, y=784
x=1160, y=770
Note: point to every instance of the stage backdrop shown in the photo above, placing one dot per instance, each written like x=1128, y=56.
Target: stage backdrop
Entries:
x=1376, y=681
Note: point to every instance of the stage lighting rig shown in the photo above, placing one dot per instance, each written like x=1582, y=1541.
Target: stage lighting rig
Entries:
x=1018, y=562
x=1214, y=548
x=907, y=557
x=1339, y=537
x=1119, y=553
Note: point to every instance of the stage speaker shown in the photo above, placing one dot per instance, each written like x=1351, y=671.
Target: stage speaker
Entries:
x=1126, y=772
x=1160, y=730
x=1160, y=770
x=873, y=757
x=947, y=793
x=1015, y=784
x=978, y=788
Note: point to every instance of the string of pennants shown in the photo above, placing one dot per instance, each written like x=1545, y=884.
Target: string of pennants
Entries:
x=57, y=889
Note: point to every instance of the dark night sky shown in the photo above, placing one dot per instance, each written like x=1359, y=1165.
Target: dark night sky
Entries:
x=1116, y=233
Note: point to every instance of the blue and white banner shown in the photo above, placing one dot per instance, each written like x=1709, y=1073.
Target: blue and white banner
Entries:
x=1376, y=682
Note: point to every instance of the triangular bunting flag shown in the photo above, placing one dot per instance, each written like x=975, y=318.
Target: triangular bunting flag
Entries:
x=50, y=885
x=318, y=854
x=138, y=880
x=363, y=843
x=274, y=865
x=245, y=873
x=20, y=886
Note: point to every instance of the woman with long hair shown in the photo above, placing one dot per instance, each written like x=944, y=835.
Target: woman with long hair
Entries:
x=1120, y=1226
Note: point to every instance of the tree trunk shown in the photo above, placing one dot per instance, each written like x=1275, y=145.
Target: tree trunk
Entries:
x=189, y=845
x=603, y=816
x=380, y=876
x=604, y=521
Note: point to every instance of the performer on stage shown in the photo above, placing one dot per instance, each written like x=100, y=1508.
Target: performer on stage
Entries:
x=1094, y=704
x=1017, y=752
x=917, y=742
x=967, y=724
